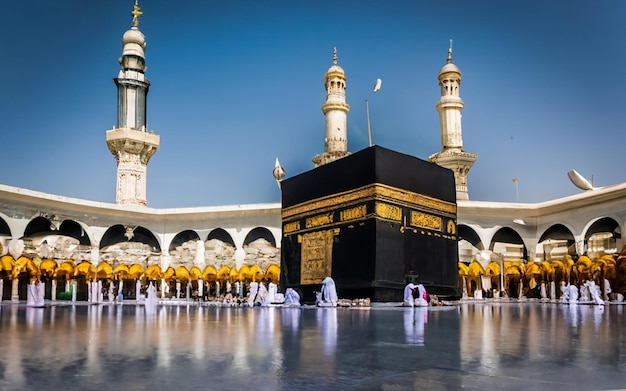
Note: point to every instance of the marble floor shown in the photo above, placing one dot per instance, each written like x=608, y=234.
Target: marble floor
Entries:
x=475, y=346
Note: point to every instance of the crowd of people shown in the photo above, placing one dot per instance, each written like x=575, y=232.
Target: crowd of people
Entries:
x=588, y=291
x=256, y=293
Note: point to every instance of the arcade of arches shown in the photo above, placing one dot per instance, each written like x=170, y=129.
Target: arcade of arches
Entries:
x=68, y=242
x=556, y=258
x=61, y=254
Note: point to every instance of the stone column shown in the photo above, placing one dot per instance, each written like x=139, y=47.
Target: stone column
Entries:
x=1, y=288
x=53, y=291
x=163, y=286
x=100, y=294
x=15, y=296
x=74, y=291
x=200, y=288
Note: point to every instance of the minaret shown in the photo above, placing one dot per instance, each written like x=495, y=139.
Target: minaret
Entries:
x=129, y=141
x=335, y=110
x=449, y=108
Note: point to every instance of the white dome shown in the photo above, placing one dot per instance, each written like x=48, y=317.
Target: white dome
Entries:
x=449, y=67
x=134, y=36
x=335, y=69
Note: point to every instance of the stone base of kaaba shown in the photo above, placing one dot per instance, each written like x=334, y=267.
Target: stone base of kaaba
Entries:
x=371, y=221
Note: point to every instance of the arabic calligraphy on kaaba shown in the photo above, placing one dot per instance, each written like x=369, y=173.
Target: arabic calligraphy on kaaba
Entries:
x=424, y=220
x=353, y=213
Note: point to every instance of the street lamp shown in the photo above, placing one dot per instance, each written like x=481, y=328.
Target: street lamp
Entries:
x=367, y=110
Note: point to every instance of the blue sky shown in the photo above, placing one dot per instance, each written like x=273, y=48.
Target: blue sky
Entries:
x=237, y=83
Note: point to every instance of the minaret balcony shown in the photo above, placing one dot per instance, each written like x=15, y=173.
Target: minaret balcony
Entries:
x=328, y=106
x=132, y=141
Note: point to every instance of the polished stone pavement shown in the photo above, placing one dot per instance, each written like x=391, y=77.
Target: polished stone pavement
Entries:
x=475, y=346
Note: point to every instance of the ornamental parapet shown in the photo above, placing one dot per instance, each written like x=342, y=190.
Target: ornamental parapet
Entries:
x=132, y=141
x=326, y=107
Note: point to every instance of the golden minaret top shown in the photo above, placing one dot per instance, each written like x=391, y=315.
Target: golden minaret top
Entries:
x=136, y=14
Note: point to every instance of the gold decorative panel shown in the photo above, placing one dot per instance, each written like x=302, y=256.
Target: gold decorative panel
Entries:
x=353, y=213
x=425, y=220
x=389, y=212
x=376, y=191
x=291, y=227
x=319, y=220
x=451, y=228
x=409, y=197
x=316, y=256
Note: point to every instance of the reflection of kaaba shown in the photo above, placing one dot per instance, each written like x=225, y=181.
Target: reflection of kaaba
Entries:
x=370, y=220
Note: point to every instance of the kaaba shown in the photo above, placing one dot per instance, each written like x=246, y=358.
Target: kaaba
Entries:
x=373, y=221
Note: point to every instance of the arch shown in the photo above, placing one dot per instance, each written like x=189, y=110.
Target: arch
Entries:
x=222, y=235
x=468, y=234
x=113, y=235
x=120, y=234
x=556, y=241
x=602, y=236
x=557, y=232
x=38, y=225
x=74, y=230
x=183, y=237
x=4, y=228
x=510, y=236
x=259, y=233
x=602, y=225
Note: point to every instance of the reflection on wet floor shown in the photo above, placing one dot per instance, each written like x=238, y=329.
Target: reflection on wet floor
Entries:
x=472, y=346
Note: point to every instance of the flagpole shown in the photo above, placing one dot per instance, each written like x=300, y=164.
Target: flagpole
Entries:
x=367, y=113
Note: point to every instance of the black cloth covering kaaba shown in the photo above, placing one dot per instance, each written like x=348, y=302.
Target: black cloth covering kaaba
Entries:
x=372, y=221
